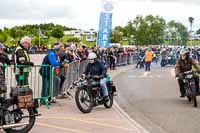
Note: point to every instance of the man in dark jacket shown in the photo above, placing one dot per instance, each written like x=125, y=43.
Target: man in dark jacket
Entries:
x=96, y=68
x=112, y=58
x=22, y=60
x=184, y=64
x=4, y=60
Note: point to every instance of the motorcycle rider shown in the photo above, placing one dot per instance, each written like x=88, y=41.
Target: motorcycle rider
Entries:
x=97, y=68
x=184, y=64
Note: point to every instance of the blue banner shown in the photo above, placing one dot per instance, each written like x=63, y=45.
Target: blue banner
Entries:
x=105, y=29
x=105, y=25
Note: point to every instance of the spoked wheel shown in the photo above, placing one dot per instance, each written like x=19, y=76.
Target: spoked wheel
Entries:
x=84, y=100
x=189, y=98
x=14, y=115
x=189, y=94
x=194, y=97
x=110, y=102
x=194, y=93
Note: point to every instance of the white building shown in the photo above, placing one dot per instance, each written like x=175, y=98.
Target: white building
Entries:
x=90, y=34
x=196, y=37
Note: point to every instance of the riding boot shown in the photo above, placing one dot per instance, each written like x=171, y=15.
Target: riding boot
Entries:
x=106, y=98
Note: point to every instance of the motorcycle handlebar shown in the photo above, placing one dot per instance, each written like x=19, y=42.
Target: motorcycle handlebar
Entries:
x=181, y=75
x=94, y=77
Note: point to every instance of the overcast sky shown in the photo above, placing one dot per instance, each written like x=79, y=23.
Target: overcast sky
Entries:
x=85, y=14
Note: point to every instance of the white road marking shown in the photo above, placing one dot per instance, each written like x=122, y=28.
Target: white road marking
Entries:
x=132, y=123
x=172, y=72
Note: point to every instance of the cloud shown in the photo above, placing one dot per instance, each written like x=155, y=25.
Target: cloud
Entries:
x=85, y=13
x=36, y=9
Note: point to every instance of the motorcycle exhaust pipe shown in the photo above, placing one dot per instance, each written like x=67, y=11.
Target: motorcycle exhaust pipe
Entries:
x=31, y=116
x=13, y=125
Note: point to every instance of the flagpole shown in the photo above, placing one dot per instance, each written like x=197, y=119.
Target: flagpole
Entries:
x=39, y=36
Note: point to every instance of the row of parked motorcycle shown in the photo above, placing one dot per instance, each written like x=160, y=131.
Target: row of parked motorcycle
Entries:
x=165, y=60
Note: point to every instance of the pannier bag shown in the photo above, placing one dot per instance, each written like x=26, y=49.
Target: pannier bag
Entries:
x=24, y=96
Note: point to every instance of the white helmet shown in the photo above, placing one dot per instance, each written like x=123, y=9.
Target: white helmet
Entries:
x=184, y=51
x=92, y=56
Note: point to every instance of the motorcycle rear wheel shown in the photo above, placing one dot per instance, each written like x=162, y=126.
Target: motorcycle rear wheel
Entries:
x=11, y=109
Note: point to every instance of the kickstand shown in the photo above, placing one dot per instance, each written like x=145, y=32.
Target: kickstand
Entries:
x=69, y=94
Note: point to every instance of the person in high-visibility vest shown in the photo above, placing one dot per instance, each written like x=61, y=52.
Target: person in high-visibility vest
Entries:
x=22, y=61
x=148, y=59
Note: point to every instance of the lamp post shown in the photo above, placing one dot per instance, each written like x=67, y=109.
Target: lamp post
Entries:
x=191, y=21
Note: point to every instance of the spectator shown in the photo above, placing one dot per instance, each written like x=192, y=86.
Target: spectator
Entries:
x=68, y=57
x=52, y=58
x=112, y=58
x=22, y=59
x=148, y=60
x=4, y=60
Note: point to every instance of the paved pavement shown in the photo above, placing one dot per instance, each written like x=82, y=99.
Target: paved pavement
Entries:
x=153, y=101
x=64, y=117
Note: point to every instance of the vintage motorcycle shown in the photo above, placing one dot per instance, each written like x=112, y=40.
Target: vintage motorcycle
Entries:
x=189, y=86
x=18, y=113
x=168, y=60
x=89, y=93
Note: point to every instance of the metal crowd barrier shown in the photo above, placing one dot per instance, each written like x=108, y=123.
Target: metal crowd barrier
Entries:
x=21, y=75
x=40, y=78
x=122, y=59
x=72, y=73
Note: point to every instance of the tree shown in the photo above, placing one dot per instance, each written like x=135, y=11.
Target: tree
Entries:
x=57, y=32
x=198, y=31
x=176, y=33
x=129, y=30
x=73, y=39
x=116, y=36
x=3, y=37
x=119, y=28
x=20, y=33
x=35, y=41
x=149, y=30
x=13, y=33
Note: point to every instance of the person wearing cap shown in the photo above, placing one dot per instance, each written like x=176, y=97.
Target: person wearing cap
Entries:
x=68, y=57
x=21, y=58
x=4, y=60
x=51, y=59
x=184, y=64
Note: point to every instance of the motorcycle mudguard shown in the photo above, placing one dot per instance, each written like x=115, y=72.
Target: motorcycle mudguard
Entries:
x=35, y=103
x=113, y=88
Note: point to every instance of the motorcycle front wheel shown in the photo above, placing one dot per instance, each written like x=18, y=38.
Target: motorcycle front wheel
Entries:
x=110, y=102
x=83, y=100
x=194, y=97
x=15, y=115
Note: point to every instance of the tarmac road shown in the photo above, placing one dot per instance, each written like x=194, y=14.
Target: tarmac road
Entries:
x=153, y=101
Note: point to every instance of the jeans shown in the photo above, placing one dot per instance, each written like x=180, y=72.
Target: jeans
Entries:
x=45, y=86
x=147, y=66
x=157, y=59
x=112, y=63
x=56, y=85
x=104, y=86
